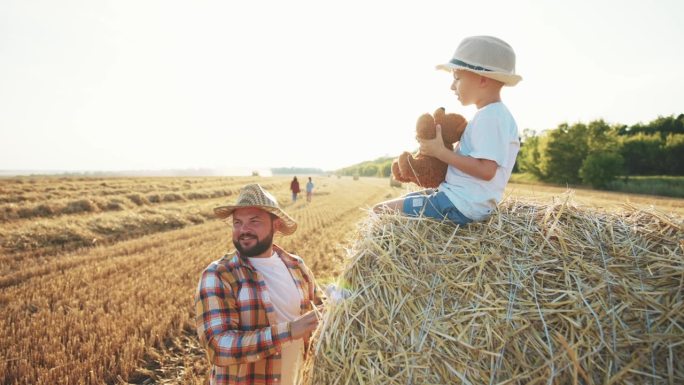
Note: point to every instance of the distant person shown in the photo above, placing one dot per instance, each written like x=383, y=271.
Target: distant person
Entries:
x=254, y=307
x=294, y=186
x=481, y=164
x=309, y=190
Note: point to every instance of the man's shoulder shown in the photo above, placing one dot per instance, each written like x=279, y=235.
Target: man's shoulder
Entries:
x=227, y=263
x=289, y=257
x=222, y=274
x=296, y=258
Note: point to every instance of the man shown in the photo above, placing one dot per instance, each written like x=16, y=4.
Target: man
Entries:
x=254, y=308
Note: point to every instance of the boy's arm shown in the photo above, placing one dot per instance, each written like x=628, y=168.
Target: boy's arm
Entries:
x=479, y=168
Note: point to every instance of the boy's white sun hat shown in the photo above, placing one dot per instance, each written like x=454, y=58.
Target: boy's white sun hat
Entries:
x=488, y=56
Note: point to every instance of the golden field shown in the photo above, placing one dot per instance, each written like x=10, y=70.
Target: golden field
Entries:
x=97, y=275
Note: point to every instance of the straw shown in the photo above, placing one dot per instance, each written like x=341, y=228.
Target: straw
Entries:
x=541, y=293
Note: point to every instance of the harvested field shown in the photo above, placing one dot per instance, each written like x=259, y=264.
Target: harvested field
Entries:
x=102, y=293
x=121, y=309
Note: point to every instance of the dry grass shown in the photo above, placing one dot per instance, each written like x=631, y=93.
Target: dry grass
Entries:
x=120, y=309
x=541, y=294
x=53, y=222
x=597, y=198
x=123, y=311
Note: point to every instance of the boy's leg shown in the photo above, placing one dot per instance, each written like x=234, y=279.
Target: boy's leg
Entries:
x=391, y=205
x=398, y=203
x=437, y=206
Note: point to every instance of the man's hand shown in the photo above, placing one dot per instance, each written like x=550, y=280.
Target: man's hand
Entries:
x=304, y=325
x=433, y=147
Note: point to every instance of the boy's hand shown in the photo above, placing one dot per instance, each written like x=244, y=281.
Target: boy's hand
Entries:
x=336, y=294
x=433, y=147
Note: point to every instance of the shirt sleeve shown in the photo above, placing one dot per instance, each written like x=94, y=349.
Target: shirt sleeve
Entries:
x=490, y=140
x=218, y=320
x=315, y=293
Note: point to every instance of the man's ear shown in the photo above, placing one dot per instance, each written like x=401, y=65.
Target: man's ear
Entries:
x=277, y=224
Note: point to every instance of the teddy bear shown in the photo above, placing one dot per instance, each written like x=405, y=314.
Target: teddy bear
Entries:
x=427, y=171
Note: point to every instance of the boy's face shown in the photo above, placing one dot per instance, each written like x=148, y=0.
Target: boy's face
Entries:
x=465, y=86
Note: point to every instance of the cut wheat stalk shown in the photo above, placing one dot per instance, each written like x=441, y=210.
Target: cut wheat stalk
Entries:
x=544, y=293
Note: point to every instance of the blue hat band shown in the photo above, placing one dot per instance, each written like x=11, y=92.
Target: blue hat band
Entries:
x=469, y=66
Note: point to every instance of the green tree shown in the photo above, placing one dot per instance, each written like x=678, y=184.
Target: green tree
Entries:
x=663, y=126
x=600, y=168
x=562, y=152
x=603, y=161
x=386, y=169
x=674, y=154
x=369, y=170
x=668, y=125
x=529, y=154
x=643, y=154
x=602, y=137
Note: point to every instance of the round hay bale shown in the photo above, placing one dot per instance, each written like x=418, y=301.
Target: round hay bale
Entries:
x=540, y=294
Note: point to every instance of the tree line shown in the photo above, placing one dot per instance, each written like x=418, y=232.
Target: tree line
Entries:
x=296, y=170
x=596, y=153
x=381, y=167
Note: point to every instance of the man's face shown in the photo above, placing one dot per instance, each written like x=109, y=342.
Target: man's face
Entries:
x=253, y=230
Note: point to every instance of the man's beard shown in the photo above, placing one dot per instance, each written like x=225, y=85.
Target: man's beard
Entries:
x=258, y=248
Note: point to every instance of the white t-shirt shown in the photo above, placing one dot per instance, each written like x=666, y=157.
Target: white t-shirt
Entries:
x=491, y=134
x=286, y=301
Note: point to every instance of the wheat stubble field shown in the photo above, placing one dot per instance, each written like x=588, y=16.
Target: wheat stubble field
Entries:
x=97, y=275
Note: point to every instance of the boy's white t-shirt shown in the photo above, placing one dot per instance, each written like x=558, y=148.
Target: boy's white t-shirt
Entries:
x=286, y=301
x=491, y=134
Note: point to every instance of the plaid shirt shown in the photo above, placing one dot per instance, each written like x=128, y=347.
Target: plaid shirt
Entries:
x=235, y=319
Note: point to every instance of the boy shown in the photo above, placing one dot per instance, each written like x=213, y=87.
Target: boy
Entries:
x=481, y=163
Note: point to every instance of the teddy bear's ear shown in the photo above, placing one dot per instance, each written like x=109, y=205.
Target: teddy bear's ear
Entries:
x=396, y=172
x=439, y=114
x=453, y=126
x=404, y=167
x=425, y=127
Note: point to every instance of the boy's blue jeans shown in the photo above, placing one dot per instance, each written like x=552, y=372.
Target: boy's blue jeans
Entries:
x=433, y=204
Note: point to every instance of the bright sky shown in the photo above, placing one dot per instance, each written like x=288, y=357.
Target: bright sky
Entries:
x=129, y=85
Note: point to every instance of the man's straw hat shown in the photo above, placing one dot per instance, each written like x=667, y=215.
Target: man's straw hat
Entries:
x=487, y=56
x=253, y=195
